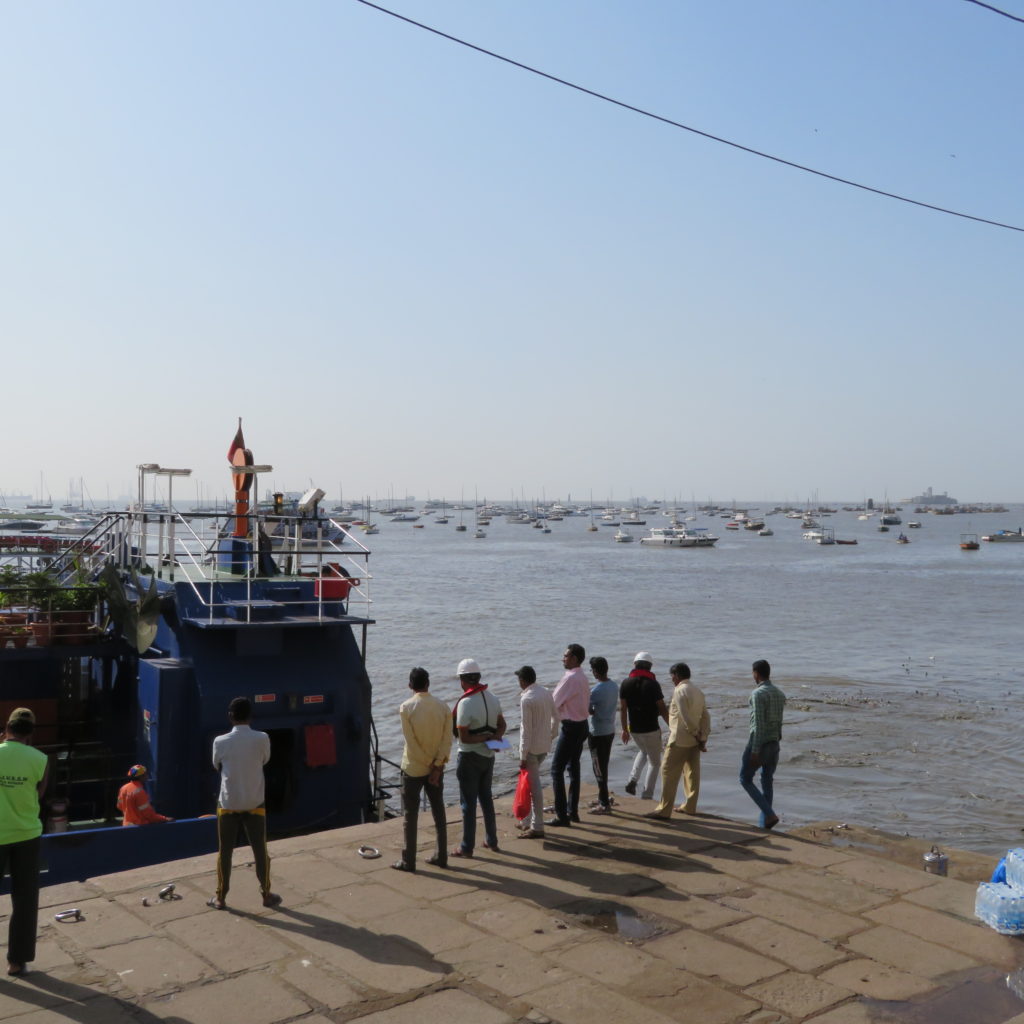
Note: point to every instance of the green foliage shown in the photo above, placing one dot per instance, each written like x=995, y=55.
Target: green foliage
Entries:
x=135, y=618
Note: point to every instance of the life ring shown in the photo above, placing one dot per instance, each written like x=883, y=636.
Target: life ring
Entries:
x=369, y=852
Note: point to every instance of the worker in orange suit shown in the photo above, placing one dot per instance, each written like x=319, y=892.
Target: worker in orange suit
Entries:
x=133, y=800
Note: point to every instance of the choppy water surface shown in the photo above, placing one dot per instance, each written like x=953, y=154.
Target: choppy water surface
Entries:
x=900, y=662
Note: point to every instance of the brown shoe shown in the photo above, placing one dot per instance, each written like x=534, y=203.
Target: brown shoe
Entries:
x=271, y=899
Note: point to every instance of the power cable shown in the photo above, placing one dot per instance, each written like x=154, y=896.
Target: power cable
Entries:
x=686, y=127
x=996, y=10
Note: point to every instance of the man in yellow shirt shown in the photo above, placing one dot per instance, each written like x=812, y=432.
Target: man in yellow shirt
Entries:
x=688, y=728
x=22, y=784
x=427, y=728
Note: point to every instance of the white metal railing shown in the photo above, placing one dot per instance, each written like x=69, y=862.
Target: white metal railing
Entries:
x=168, y=545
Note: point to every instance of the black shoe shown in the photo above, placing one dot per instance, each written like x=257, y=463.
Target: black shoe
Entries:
x=574, y=817
x=631, y=788
x=557, y=822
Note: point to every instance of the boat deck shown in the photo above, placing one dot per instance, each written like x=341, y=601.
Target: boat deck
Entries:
x=618, y=918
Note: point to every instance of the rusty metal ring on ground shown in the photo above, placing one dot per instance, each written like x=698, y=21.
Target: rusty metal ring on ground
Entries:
x=369, y=852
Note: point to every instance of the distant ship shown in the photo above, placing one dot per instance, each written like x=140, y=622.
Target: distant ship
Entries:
x=928, y=498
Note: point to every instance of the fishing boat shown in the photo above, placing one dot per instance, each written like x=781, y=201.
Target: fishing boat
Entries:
x=969, y=542
x=177, y=616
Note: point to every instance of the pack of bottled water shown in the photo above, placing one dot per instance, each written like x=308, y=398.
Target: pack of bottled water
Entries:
x=1001, y=907
x=1015, y=868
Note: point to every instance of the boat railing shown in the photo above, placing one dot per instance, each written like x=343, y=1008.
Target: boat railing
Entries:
x=197, y=549
x=382, y=789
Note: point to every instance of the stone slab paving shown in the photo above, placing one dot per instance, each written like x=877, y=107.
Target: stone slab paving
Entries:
x=617, y=918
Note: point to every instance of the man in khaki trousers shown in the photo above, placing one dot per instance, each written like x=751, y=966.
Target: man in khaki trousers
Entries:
x=688, y=728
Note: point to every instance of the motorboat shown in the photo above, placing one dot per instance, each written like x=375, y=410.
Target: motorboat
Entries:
x=1004, y=537
x=766, y=531
x=678, y=536
x=913, y=525
x=621, y=537
x=969, y=542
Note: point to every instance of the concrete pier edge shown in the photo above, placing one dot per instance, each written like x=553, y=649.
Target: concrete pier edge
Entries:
x=617, y=918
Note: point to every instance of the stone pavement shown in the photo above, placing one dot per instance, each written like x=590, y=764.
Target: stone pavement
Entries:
x=617, y=919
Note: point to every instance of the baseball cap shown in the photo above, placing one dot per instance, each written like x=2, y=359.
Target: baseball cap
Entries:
x=467, y=667
x=643, y=656
x=22, y=713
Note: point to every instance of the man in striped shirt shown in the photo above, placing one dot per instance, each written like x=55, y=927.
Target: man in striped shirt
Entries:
x=767, y=702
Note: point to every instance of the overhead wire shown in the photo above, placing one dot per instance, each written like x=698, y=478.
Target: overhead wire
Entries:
x=997, y=10
x=688, y=128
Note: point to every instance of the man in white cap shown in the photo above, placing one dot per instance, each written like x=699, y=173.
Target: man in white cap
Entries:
x=478, y=721
x=641, y=703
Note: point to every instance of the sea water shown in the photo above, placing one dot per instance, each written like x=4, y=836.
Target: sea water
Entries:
x=900, y=662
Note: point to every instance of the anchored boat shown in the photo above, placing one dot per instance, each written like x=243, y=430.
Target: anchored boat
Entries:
x=179, y=613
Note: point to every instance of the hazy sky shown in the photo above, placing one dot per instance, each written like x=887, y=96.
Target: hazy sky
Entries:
x=409, y=266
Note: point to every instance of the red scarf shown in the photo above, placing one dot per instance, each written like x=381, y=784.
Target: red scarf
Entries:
x=479, y=688
x=642, y=673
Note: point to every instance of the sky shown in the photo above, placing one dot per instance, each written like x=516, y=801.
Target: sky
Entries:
x=414, y=269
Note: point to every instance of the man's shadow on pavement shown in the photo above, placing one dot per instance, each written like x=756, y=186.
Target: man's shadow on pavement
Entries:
x=373, y=946
x=71, y=1002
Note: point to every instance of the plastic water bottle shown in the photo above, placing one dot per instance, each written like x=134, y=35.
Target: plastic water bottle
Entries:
x=1015, y=868
x=1001, y=907
x=1015, y=983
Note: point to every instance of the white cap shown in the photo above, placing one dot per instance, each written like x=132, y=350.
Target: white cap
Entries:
x=467, y=667
x=643, y=656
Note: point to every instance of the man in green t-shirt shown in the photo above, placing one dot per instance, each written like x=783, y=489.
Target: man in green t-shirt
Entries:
x=22, y=784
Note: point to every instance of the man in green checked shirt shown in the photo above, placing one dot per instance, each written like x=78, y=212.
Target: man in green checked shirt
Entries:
x=766, y=704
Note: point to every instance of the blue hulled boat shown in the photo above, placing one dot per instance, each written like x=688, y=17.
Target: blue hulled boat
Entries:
x=188, y=611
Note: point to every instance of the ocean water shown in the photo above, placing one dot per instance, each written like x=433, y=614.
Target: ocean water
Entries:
x=900, y=662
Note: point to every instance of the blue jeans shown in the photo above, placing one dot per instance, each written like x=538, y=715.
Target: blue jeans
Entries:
x=474, y=772
x=769, y=755
x=568, y=751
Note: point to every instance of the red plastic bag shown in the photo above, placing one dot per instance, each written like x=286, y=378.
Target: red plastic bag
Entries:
x=522, y=802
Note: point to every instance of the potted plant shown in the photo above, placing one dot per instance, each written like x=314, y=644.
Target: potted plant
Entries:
x=72, y=609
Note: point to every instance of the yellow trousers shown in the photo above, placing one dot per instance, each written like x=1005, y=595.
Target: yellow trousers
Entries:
x=678, y=761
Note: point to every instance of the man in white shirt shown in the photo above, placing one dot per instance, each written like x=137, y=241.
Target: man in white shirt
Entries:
x=240, y=756
x=537, y=731
x=688, y=728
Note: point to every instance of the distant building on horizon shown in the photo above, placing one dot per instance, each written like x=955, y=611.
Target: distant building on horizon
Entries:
x=928, y=498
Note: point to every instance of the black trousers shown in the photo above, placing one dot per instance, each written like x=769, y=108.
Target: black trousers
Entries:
x=568, y=750
x=412, y=787
x=600, y=755
x=22, y=861
x=229, y=825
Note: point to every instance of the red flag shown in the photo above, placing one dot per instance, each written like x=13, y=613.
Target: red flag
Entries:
x=238, y=442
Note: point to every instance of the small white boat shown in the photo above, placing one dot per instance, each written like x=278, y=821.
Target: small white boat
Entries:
x=766, y=531
x=480, y=533
x=621, y=537
x=679, y=537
